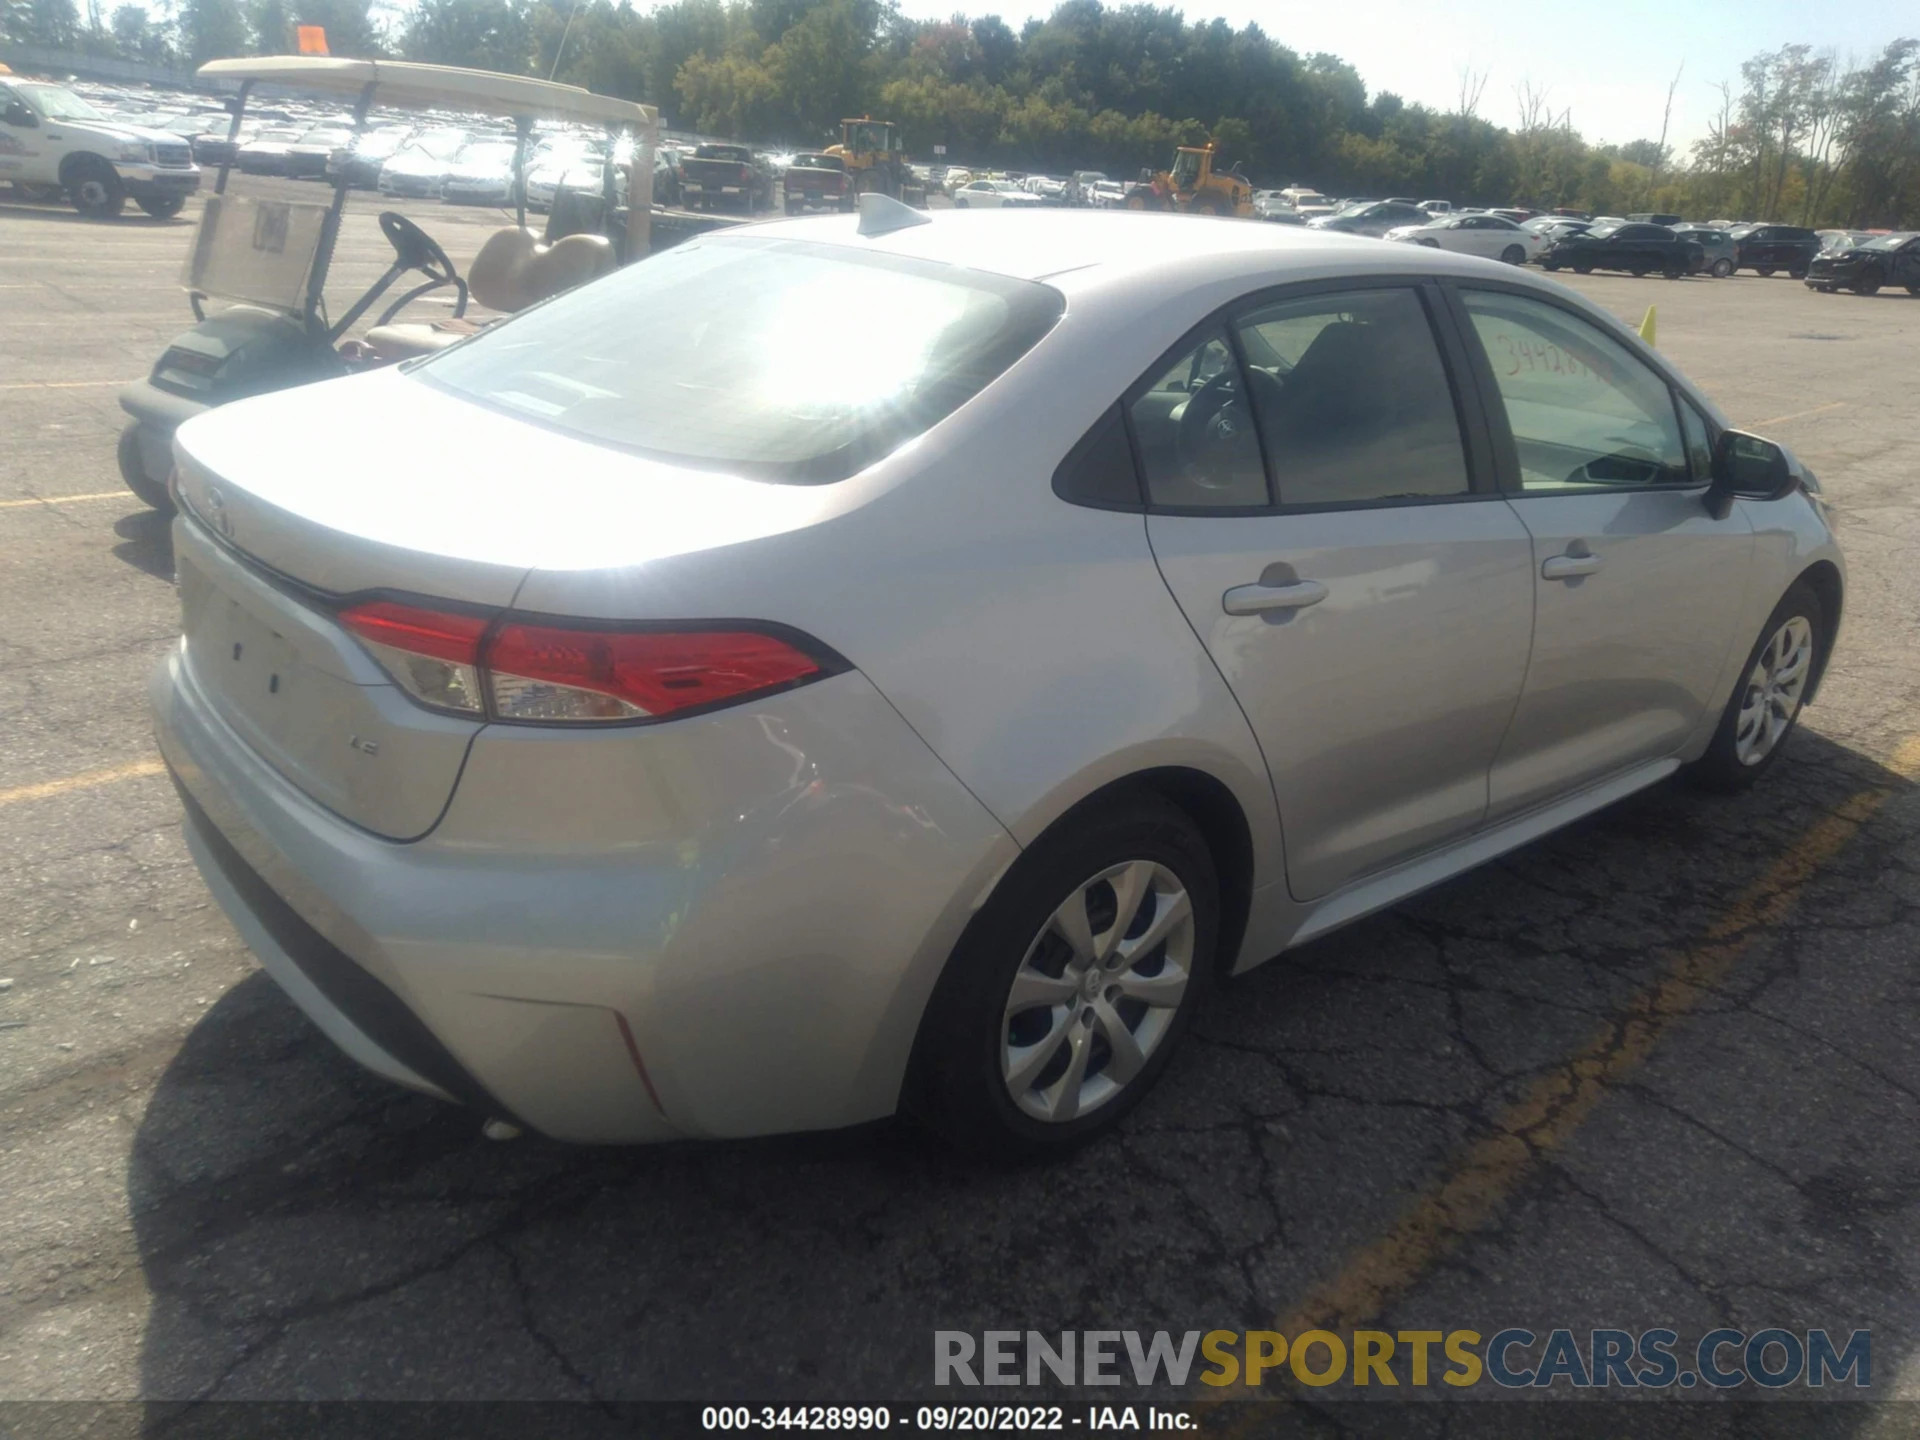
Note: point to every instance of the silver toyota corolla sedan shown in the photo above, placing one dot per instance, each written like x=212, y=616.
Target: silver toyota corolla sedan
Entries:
x=900, y=661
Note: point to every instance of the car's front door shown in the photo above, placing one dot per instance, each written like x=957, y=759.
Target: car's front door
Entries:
x=1366, y=593
x=1638, y=587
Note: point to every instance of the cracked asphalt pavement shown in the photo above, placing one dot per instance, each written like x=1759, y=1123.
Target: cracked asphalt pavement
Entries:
x=1659, y=1069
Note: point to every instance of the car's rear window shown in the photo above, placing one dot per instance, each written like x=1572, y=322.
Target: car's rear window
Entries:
x=783, y=360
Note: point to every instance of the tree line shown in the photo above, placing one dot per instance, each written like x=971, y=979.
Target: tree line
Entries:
x=1799, y=136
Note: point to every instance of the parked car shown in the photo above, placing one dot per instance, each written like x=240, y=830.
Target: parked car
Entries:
x=726, y=175
x=994, y=195
x=1080, y=186
x=420, y=166
x=1474, y=234
x=816, y=179
x=1437, y=207
x=1767, y=248
x=1638, y=249
x=1273, y=205
x=1370, y=217
x=481, y=174
x=362, y=156
x=684, y=812
x=1109, y=194
x=1652, y=218
x=1050, y=190
x=1883, y=260
x=51, y=137
x=212, y=147
x=579, y=164
x=1719, y=251
x=266, y=153
x=1844, y=239
x=306, y=158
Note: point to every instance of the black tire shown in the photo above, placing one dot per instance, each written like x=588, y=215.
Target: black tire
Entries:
x=1868, y=283
x=1583, y=267
x=957, y=1084
x=1673, y=270
x=1550, y=266
x=164, y=207
x=94, y=188
x=1766, y=272
x=792, y=208
x=1722, y=268
x=1514, y=255
x=134, y=471
x=960, y=202
x=1721, y=768
x=1913, y=289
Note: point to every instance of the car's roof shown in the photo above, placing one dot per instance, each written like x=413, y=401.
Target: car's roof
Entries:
x=1070, y=247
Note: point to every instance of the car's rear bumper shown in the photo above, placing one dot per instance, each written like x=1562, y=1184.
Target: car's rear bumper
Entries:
x=724, y=926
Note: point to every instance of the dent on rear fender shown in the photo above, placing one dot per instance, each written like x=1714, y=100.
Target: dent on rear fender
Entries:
x=766, y=893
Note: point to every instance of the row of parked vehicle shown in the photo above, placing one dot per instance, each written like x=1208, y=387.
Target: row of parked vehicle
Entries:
x=1861, y=260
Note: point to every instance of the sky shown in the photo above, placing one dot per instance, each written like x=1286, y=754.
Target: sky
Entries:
x=1611, y=64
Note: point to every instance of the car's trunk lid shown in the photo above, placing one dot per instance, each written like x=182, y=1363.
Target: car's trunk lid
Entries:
x=419, y=494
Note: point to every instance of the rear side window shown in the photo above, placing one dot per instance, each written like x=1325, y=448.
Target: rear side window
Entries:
x=1585, y=412
x=1352, y=399
x=737, y=354
x=1198, y=447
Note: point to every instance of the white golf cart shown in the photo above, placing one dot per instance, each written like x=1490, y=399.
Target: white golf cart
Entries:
x=267, y=259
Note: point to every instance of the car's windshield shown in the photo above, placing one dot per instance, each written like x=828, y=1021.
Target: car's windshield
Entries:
x=1186, y=168
x=1888, y=242
x=818, y=162
x=54, y=103
x=734, y=353
x=1600, y=232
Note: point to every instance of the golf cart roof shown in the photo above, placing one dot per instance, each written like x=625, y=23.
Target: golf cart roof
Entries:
x=410, y=83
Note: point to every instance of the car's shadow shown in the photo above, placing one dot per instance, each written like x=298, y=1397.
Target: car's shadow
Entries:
x=60, y=213
x=146, y=542
x=307, y=1231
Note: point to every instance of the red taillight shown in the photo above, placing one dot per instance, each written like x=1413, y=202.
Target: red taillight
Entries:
x=544, y=672
x=515, y=670
x=419, y=631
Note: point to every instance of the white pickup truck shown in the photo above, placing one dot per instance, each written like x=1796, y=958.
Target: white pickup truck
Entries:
x=51, y=138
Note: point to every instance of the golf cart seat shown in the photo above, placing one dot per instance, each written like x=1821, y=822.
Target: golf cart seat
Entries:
x=513, y=270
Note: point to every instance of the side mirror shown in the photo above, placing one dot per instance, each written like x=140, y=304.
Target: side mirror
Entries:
x=1745, y=467
x=19, y=114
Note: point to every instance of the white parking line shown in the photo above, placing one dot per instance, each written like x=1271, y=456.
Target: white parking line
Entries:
x=51, y=500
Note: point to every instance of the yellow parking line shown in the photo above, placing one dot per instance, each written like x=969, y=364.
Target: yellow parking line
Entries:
x=1803, y=414
x=1480, y=1182
x=92, y=779
x=67, y=384
x=64, y=499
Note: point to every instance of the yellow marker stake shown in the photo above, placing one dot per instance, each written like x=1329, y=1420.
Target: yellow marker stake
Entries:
x=1646, y=326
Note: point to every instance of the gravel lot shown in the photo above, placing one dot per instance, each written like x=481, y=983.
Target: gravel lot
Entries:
x=1658, y=1070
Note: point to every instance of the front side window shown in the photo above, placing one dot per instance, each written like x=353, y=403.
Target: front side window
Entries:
x=1585, y=412
x=1353, y=399
x=734, y=353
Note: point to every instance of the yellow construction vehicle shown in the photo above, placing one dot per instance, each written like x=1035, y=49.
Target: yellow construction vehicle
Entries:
x=876, y=160
x=1194, y=187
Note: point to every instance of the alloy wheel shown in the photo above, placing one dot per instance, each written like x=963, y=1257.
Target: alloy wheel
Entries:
x=1775, y=687
x=1097, y=991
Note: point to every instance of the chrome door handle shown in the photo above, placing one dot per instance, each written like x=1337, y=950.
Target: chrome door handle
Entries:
x=1257, y=599
x=1569, y=567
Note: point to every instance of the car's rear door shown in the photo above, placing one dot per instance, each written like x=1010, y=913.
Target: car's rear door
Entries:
x=1638, y=587
x=1366, y=592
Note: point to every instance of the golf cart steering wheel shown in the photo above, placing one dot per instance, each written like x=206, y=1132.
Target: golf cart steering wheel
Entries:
x=1216, y=429
x=416, y=249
